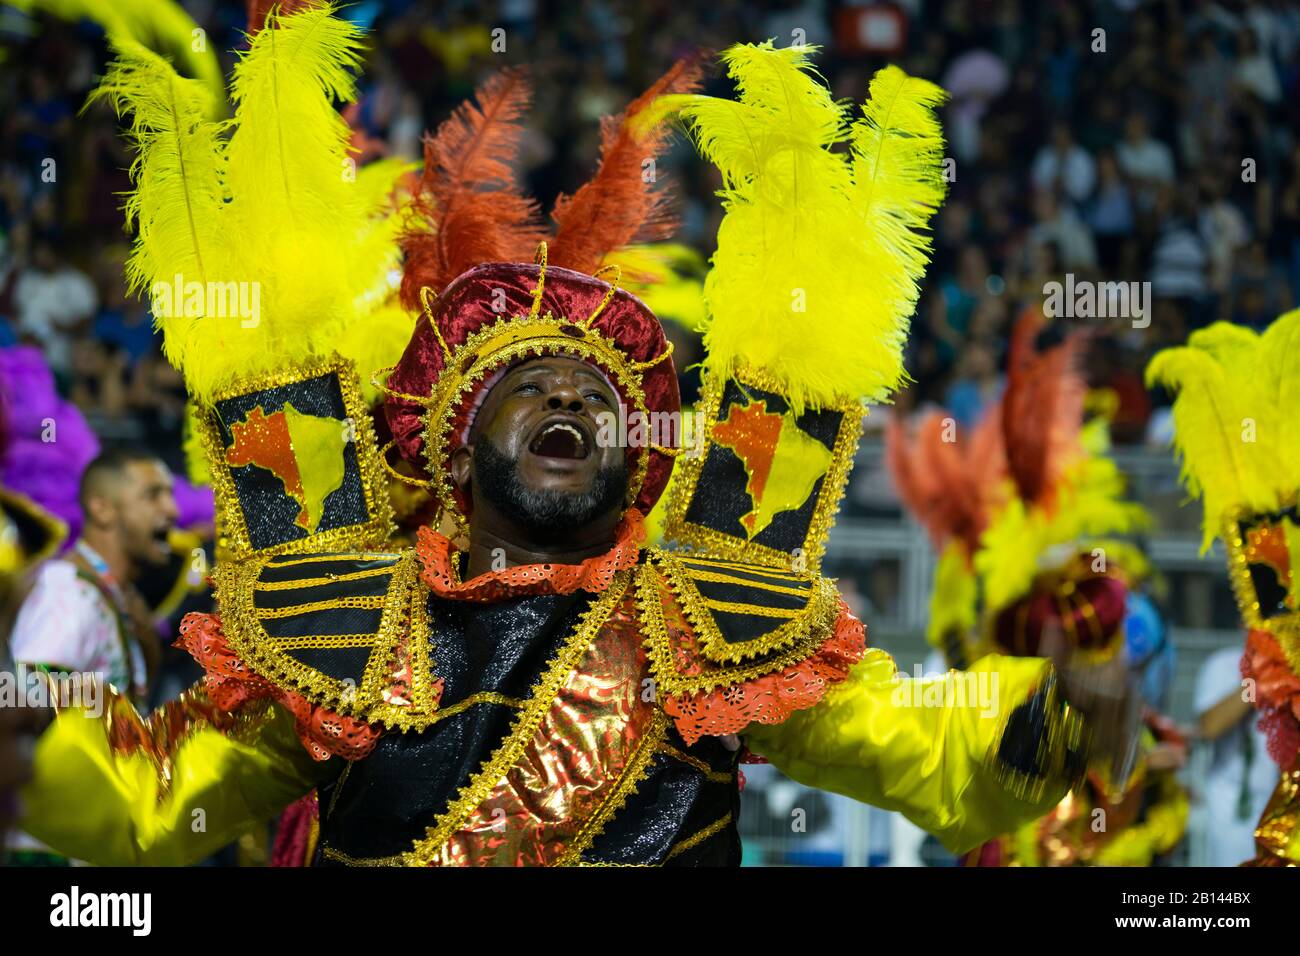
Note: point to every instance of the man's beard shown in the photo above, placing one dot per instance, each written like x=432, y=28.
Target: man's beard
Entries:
x=545, y=513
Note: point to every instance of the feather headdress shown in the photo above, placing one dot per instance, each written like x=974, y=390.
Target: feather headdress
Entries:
x=257, y=240
x=949, y=481
x=820, y=251
x=469, y=210
x=951, y=484
x=1235, y=413
x=1061, y=489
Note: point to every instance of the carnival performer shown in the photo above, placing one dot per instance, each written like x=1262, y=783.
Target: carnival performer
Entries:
x=1237, y=398
x=535, y=687
x=1022, y=509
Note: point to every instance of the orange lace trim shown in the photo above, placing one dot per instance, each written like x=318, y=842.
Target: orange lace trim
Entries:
x=438, y=568
x=1278, y=696
x=772, y=698
x=230, y=685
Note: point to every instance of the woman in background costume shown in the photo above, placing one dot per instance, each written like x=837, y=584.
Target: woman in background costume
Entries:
x=547, y=713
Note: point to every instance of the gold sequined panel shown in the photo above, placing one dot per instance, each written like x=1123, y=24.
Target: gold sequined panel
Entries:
x=1277, y=838
x=591, y=748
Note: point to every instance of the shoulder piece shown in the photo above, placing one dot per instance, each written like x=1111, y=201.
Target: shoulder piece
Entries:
x=294, y=463
x=348, y=630
x=767, y=481
x=712, y=623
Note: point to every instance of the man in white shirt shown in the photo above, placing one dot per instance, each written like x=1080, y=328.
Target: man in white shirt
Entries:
x=1146, y=161
x=1241, y=775
x=1064, y=166
x=84, y=614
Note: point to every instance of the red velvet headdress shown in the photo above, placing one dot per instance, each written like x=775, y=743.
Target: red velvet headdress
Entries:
x=474, y=236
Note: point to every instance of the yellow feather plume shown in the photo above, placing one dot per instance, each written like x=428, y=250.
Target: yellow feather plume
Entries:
x=820, y=251
x=179, y=200
x=275, y=219
x=1234, y=412
x=954, y=599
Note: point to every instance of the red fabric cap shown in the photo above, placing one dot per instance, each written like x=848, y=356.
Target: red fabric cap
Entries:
x=1094, y=615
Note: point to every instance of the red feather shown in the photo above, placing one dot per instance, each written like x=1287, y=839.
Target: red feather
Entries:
x=617, y=206
x=468, y=209
x=949, y=486
x=1042, y=411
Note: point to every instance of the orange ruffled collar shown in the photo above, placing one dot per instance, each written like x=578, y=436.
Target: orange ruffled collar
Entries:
x=438, y=568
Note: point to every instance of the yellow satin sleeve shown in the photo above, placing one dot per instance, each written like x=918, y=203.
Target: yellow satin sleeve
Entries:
x=928, y=749
x=117, y=790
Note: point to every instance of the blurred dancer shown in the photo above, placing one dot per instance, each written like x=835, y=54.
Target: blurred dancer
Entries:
x=1015, y=507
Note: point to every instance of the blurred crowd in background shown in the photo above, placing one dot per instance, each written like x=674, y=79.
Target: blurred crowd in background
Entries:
x=1108, y=140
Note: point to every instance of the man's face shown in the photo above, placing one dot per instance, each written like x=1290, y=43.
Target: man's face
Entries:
x=534, y=451
x=145, y=511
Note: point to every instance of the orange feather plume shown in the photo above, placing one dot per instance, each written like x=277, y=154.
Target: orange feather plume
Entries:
x=948, y=482
x=1042, y=411
x=617, y=206
x=468, y=209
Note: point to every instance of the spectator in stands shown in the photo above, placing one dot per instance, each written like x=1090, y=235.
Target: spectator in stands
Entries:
x=51, y=300
x=1110, y=213
x=1145, y=160
x=1064, y=167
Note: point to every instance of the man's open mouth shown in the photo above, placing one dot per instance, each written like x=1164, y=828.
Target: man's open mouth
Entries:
x=561, y=440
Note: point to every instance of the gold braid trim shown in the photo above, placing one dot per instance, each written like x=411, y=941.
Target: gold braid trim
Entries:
x=336, y=556
x=638, y=767
x=368, y=602
x=713, y=776
x=696, y=839
x=483, y=697
x=321, y=581
x=663, y=667
x=339, y=856
x=426, y=690
x=715, y=578
x=525, y=725
x=691, y=559
x=264, y=655
x=338, y=789
x=758, y=610
x=323, y=640
x=817, y=616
